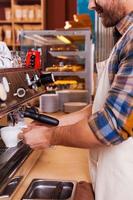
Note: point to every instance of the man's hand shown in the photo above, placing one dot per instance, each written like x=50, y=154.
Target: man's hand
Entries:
x=36, y=136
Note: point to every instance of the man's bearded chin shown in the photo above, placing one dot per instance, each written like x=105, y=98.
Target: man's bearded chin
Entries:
x=112, y=18
x=110, y=21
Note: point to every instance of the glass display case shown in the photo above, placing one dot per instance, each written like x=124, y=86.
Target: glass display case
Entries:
x=66, y=53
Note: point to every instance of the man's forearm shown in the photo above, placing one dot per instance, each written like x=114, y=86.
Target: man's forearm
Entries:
x=75, y=117
x=75, y=135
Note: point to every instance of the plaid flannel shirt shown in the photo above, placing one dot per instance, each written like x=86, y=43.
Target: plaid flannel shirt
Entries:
x=110, y=123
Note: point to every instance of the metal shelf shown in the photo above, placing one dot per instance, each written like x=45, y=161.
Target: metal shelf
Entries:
x=81, y=54
x=80, y=73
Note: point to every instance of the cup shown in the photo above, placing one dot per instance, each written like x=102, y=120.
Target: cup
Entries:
x=9, y=135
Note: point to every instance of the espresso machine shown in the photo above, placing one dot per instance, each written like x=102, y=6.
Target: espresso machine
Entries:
x=17, y=88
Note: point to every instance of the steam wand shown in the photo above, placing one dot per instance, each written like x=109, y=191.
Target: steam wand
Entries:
x=12, y=117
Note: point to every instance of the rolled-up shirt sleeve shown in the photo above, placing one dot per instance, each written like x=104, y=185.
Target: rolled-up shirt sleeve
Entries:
x=108, y=124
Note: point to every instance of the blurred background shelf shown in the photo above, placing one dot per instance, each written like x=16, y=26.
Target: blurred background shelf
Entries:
x=17, y=15
x=81, y=54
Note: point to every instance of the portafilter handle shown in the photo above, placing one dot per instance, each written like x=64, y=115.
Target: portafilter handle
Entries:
x=41, y=118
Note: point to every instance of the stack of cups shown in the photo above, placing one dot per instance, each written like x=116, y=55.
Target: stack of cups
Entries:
x=49, y=103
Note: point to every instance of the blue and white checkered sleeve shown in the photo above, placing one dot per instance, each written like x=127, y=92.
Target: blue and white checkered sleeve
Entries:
x=103, y=128
x=108, y=123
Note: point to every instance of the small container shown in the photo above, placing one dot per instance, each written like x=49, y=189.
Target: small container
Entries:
x=49, y=103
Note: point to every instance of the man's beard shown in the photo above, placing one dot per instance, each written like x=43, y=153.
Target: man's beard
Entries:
x=111, y=16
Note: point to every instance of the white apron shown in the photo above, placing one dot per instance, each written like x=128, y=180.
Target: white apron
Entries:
x=111, y=168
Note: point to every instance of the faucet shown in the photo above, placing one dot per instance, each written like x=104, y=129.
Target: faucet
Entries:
x=33, y=82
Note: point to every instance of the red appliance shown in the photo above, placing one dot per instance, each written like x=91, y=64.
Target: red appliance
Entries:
x=33, y=59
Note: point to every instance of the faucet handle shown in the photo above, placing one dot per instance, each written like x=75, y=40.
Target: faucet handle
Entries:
x=29, y=82
x=36, y=78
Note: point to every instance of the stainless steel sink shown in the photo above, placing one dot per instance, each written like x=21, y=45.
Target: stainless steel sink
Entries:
x=50, y=189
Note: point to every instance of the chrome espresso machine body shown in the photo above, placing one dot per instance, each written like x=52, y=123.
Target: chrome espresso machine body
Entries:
x=17, y=88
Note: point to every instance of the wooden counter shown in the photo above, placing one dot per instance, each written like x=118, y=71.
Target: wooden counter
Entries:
x=58, y=163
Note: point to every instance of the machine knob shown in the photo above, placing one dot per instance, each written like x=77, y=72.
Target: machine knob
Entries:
x=21, y=92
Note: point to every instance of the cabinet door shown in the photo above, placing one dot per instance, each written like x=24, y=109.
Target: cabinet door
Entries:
x=56, y=17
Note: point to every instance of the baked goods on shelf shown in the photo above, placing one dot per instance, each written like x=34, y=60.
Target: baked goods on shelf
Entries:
x=63, y=48
x=65, y=68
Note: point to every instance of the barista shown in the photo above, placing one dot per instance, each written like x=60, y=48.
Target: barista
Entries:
x=105, y=128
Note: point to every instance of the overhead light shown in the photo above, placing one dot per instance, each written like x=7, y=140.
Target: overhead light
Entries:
x=67, y=25
x=63, y=39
